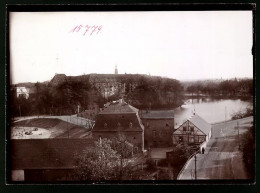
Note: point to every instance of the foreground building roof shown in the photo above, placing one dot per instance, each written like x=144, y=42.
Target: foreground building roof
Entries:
x=159, y=114
x=199, y=122
x=46, y=153
x=119, y=107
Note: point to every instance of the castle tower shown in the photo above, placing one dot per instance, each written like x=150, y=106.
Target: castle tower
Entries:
x=116, y=71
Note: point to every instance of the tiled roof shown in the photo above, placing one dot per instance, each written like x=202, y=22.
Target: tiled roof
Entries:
x=46, y=153
x=204, y=126
x=160, y=114
x=119, y=107
x=117, y=123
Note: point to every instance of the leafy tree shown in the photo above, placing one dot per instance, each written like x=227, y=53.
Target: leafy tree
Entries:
x=102, y=162
x=98, y=163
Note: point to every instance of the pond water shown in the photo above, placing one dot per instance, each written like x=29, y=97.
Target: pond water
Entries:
x=211, y=110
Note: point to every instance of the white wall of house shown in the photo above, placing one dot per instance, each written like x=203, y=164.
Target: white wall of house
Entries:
x=22, y=91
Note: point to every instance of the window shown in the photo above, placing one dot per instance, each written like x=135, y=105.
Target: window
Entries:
x=185, y=128
x=154, y=133
x=130, y=124
x=180, y=139
x=162, y=133
x=201, y=138
x=167, y=125
x=192, y=129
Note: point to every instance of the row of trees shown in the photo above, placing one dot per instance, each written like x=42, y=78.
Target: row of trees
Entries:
x=232, y=87
x=55, y=100
x=152, y=92
x=67, y=96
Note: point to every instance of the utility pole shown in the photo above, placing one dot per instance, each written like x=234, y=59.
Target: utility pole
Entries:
x=68, y=129
x=195, y=159
x=225, y=117
x=20, y=110
x=121, y=160
x=238, y=135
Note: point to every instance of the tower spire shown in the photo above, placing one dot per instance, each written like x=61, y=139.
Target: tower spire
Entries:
x=116, y=71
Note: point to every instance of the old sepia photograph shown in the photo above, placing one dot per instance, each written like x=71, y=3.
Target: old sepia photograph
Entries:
x=131, y=97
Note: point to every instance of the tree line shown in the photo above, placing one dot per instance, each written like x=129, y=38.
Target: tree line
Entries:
x=232, y=87
x=152, y=92
x=70, y=96
x=48, y=99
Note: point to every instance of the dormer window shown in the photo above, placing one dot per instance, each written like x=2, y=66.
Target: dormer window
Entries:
x=130, y=124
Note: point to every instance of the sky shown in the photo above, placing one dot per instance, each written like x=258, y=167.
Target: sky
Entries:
x=177, y=44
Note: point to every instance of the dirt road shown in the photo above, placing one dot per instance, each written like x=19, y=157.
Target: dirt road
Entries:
x=222, y=159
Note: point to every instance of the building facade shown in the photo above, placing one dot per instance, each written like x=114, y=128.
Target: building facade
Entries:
x=194, y=131
x=120, y=118
x=159, y=126
x=22, y=92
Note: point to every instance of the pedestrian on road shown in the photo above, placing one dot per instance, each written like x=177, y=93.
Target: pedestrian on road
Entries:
x=203, y=150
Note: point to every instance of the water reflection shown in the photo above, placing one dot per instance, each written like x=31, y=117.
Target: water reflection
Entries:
x=212, y=110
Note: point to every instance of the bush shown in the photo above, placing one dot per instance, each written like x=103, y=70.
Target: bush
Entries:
x=150, y=164
x=239, y=115
x=248, y=150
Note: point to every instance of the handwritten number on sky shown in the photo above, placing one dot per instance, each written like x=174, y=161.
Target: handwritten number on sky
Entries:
x=87, y=29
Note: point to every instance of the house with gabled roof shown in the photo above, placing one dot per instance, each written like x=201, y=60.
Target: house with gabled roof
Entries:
x=194, y=131
x=120, y=118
